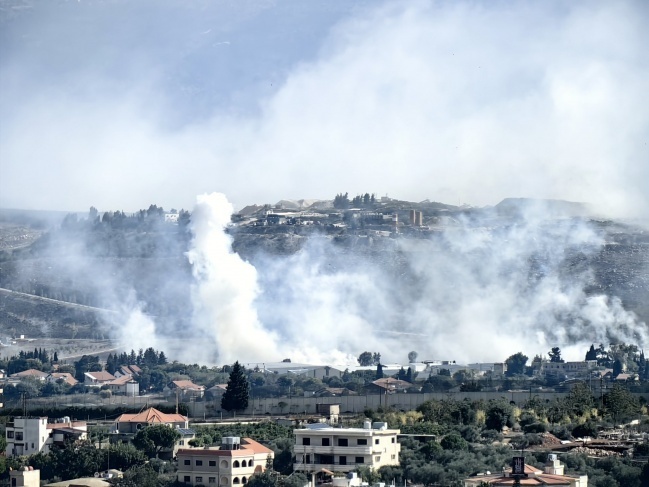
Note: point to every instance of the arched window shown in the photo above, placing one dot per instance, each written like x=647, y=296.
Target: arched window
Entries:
x=244, y=480
x=224, y=464
x=251, y=462
x=243, y=463
x=236, y=480
x=235, y=464
x=224, y=481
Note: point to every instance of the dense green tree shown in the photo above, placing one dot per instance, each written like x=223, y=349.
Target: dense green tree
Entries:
x=365, y=359
x=236, y=395
x=379, y=371
x=617, y=367
x=155, y=438
x=498, y=415
x=454, y=442
x=591, y=354
x=620, y=403
x=516, y=364
x=555, y=355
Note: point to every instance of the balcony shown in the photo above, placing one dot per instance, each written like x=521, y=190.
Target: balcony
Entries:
x=331, y=450
x=316, y=467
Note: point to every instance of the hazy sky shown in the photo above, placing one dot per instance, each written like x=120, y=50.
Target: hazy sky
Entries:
x=124, y=103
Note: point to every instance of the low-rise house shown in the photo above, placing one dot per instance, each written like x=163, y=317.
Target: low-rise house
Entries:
x=388, y=385
x=64, y=377
x=552, y=474
x=31, y=435
x=129, y=424
x=97, y=379
x=124, y=386
x=131, y=370
x=31, y=374
x=216, y=392
x=233, y=463
x=186, y=389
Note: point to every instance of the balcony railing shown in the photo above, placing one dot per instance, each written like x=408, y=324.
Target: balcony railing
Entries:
x=328, y=450
x=332, y=467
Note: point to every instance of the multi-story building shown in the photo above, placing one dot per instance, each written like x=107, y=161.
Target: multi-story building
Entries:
x=321, y=447
x=231, y=464
x=28, y=435
x=566, y=370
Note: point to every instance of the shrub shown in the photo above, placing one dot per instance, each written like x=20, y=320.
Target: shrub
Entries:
x=535, y=428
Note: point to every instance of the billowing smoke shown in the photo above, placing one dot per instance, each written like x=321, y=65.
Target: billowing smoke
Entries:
x=479, y=290
x=225, y=288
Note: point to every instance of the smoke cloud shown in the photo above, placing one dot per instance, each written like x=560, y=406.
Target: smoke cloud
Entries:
x=478, y=291
x=452, y=101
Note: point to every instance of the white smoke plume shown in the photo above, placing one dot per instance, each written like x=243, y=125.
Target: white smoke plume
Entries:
x=225, y=288
x=474, y=293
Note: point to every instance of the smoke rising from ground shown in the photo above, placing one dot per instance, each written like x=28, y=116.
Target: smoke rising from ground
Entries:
x=477, y=292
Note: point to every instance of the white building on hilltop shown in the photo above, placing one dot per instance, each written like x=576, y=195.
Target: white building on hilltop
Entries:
x=321, y=448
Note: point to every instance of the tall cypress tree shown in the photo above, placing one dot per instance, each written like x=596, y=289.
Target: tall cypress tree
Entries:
x=235, y=397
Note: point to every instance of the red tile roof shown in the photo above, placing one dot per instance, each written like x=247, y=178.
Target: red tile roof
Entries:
x=187, y=384
x=30, y=373
x=151, y=416
x=101, y=375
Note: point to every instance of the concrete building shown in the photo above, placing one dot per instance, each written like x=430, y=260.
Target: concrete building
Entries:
x=233, y=463
x=552, y=474
x=322, y=448
x=25, y=477
x=567, y=370
x=30, y=435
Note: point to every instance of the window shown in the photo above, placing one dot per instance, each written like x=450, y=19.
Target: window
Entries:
x=359, y=460
x=250, y=462
x=19, y=435
x=224, y=464
x=376, y=441
x=342, y=461
x=361, y=441
x=199, y=480
x=188, y=479
x=212, y=463
x=244, y=480
x=181, y=442
x=199, y=463
x=325, y=441
x=394, y=439
x=188, y=462
x=307, y=459
x=10, y=434
x=306, y=441
x=394, y=457
x=235, y=464
x=377, y=458
x=243, y=463
x=211, y=480
x=236, y=480
x=343, y=442
x=32, y=446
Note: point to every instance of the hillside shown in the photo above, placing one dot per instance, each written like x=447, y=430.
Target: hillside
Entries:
x=113, y=267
